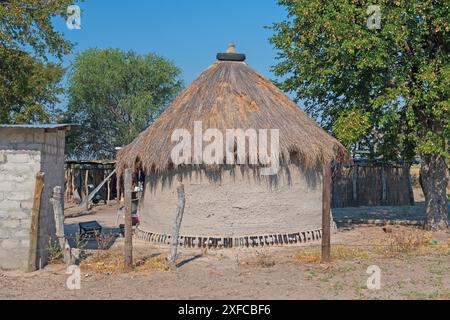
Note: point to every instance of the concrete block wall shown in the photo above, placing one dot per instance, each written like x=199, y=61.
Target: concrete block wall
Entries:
x=52, y=163
x=23, y=153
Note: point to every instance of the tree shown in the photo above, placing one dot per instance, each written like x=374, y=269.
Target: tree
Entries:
x=393, y=77
x=26, y=25
x=29, y=85
x=114, y=95
x=29, y=88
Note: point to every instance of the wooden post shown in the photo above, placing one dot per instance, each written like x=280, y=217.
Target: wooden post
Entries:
x=108, y=198
x=383, y=186
x=410, y=184
x=97, y=189
x=354, y=184
x=34, y=229
x=58, y=211
x=326, y=213
x=118, y=189
x=86, y=189
x=66, y=184
x=176, y=225
x=128, y=246
x=72, y=184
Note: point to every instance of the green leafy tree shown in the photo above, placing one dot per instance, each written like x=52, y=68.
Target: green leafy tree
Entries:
x=114, y=95
x=396, y=73
x=351, y=126
x=29, y=88
x=29, y=84
x=27, y=24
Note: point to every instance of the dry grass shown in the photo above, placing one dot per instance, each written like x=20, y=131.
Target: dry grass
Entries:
x=338, y=252
x=409, y=241
x=437, y=295
x=398, y=242
x=152, y=264
x=111, y=262
x=230, y=95
x=263, y=260
x=104, y=240
x=103, y=262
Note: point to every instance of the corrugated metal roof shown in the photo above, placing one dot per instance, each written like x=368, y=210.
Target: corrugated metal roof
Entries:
x=90, y=161
x=67, y=126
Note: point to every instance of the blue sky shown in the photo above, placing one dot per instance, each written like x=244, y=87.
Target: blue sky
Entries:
x=189, y=32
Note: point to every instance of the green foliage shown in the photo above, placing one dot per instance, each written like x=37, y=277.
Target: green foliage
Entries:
x=29, y=85
x=80, y=241
x=28, y=88
x=351, y=126
x=398, y=74
x=55, y=253
x=27, y=24
x=114, y=95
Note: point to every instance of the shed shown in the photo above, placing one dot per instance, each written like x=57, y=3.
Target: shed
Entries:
x=26, y=150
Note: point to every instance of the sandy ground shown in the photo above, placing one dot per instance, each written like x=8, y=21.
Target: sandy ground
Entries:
x=105, y=215
x=419, y=269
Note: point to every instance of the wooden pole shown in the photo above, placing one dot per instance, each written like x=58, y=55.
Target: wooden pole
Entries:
x=410, y=184
x=58, y=211
x=108, y=199
x=97, y=188
x=128, y=246
x=354, y=184
x=72, y=184
x=34, y=229
x=69, y=184
x=326, y=213
x=383, y=186
x=177, y=224
x=66, y=184
x=86, y=189
x=118, y=188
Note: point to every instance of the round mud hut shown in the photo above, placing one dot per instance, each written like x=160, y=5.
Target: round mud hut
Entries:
x=263, y=188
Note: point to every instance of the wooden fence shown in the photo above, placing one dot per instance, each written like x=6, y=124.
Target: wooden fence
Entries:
x=95, y=171
x=361, y=184
x=372, y=184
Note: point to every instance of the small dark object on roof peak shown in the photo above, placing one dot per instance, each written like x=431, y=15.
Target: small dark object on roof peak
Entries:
x=231, y=54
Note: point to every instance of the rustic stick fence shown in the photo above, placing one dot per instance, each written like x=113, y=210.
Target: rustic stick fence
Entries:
x=80, y=174
x=372, y=184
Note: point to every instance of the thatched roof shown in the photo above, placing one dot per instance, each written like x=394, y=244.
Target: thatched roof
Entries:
x=231, y=95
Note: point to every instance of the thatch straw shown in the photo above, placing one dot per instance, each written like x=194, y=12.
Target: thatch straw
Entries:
x=230, y=95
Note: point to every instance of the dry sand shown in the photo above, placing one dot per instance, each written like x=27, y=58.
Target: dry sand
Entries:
x=264, y=273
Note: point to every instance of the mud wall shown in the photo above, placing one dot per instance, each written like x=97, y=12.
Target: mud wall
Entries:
x=235, y=203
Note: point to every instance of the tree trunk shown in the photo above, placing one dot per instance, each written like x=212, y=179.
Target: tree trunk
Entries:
x=433, y=180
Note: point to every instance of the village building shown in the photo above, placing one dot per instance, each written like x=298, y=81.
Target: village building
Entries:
x=233, y=204
x=26, y=151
